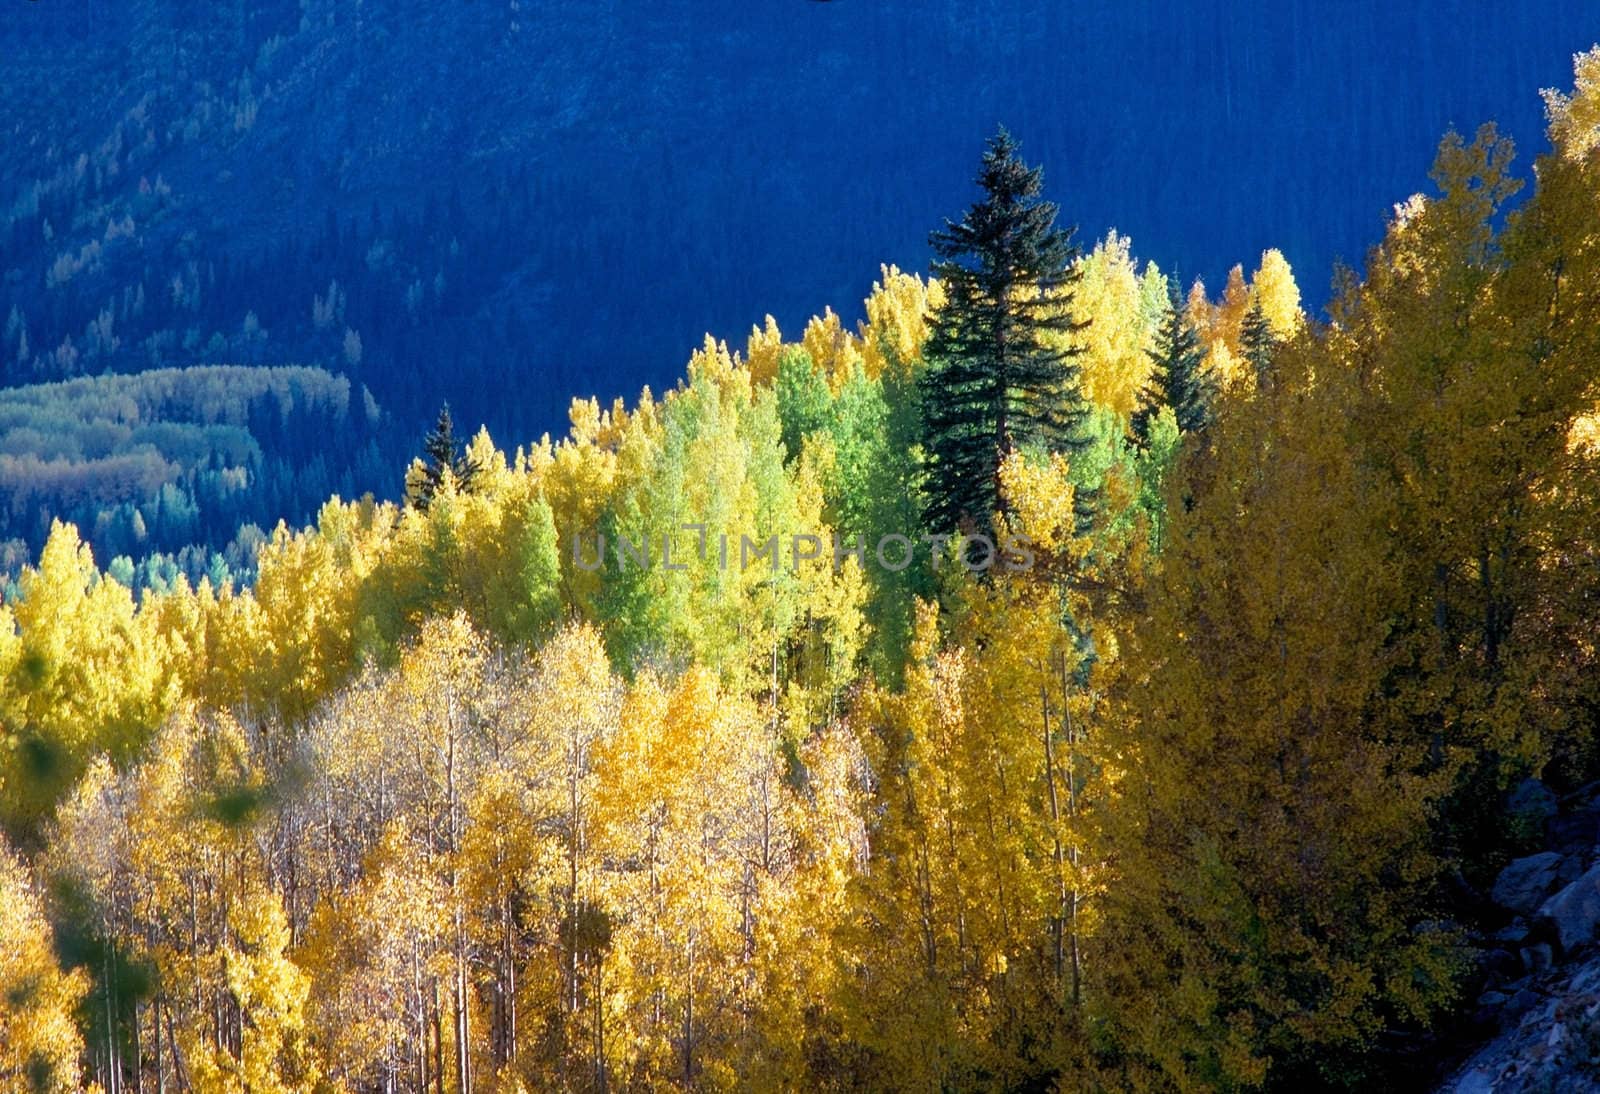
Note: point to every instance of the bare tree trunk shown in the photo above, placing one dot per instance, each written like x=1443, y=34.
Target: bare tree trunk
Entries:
x=1072, y=822
x=505, y=1018
x=511, y=988
x=574, y=839
x=463, y=1038
x=179, y=1071
x=599, y=1025
x=460, y=1018
x=688, y=1023
x=420, y=1045
x=161, y=1075
x=438, y=1043
x=113, y=1071
x=138, y=1053
x=1057, y=921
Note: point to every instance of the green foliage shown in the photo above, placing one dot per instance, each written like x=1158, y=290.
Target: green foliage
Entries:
x=537, y=601
x=452, y=797
x=1259, y=343
x=997, y=379
x=804, y=402
x=1179, y=378
x=172, y=462
x=1154, y=463
x=441, y=454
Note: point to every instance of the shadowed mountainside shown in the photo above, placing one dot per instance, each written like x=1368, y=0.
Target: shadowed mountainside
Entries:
x=508, y=203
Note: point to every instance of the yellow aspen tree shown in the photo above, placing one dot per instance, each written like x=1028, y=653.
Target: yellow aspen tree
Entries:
x=39, y=1040
x=1227, y=320
x=909, y=1003
x=439, y=680
x=811, y=810
x=579, y=482
x=1267, y=846
x=835, y=351
x=270, y=993
x=164, y=852
x=1473, y=348
x=687, y=790
x=576, y=710
x=306, y=624
x=232, y=633
x=1273, y=290
x=1201, y=311
x=1560, y=225
x=1574, y=119
x=370, y=955
x=762, y=351
x=1114, y=365
x=87, y=675
x=510, y=859
x=896, y=328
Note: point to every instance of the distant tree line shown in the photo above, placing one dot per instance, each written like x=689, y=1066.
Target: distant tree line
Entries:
x=165, y=467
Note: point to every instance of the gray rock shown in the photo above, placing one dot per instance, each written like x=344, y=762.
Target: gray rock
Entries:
x=1520, y=1004
x=1545, y=1033
x=1575, y=832
x=1513, y=933
x=1538, y=957
x=1477, y=1081
x=1573, y=914
x=1500, y=966
x=1523, y=885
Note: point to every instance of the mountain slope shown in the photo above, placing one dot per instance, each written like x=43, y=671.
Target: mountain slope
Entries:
x=507, y=202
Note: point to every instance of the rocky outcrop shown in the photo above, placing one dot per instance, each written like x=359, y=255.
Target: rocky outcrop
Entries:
x=1572, y=916
x=1539, y=971
x=1549, y=1041
x=1523, y=886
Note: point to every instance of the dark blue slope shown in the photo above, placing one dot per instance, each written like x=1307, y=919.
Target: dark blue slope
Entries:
x=689, y=165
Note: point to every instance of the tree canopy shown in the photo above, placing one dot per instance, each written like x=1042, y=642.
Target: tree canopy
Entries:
x=698, y=748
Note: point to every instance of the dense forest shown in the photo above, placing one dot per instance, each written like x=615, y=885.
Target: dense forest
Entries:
x=506, y=203
x=155, y=465
x=224, y=186
x=533, y=782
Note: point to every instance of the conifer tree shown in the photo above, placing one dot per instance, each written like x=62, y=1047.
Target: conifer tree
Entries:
x=1178, y=377
x=997, y=380
x=1258, y=342
x=440, y=450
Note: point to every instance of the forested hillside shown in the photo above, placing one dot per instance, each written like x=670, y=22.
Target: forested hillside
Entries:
x=701, y=748
x=154, y=465
x=506, y=203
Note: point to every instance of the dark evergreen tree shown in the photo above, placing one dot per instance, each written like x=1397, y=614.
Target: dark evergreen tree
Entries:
x=440, y=450
x=1178, y=377
x=1001, y=371
x=1258, y=343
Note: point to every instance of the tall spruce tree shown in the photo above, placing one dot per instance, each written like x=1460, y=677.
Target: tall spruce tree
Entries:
x=439, y=450
x=1002, y=372
x=1178, y=376
x=1258, y=342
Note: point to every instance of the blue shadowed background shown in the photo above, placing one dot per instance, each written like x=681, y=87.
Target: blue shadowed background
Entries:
x=481, y=197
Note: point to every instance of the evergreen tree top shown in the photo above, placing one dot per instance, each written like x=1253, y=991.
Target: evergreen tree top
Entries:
x=440, y=450
x=1011, y=232
x=440, y=444
x=1178, y=375
x=1258, y=342
x=1001, y=353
